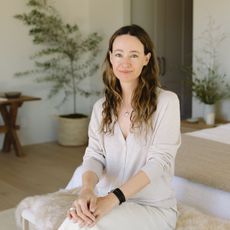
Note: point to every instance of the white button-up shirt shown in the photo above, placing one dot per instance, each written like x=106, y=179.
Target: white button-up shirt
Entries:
x=115, y=159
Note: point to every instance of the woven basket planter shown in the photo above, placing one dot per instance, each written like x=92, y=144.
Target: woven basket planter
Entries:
x=73, y=131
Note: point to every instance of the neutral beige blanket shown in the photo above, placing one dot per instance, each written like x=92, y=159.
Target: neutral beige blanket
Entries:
x=204, y=161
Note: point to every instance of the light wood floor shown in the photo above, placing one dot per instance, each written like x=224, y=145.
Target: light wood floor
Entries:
x=45, y=168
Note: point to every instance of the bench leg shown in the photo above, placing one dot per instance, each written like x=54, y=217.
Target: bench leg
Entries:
x=25, y=224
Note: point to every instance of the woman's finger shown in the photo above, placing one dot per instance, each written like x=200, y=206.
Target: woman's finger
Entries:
x=92, y=205
x=86, y=220
x=97, y=218
x=86, y=211
x=73, y=215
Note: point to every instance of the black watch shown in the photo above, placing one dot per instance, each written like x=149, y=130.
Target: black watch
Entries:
x=119, y=194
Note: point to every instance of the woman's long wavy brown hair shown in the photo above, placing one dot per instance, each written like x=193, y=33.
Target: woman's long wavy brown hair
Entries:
x=144, y=100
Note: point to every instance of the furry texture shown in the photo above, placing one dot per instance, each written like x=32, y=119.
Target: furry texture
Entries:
x=50, y=211
x=192, y=219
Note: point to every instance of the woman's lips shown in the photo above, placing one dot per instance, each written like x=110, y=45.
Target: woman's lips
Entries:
x=125, y=71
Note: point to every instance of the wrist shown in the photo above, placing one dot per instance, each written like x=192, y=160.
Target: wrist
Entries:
x=113, y=199
x=86, y=189
x=89, y=180
x=119, y=195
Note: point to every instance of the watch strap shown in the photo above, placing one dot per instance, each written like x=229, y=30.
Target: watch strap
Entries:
x=119, y=194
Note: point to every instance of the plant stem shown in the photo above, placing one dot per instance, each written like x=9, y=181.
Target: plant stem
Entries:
x=74, y=87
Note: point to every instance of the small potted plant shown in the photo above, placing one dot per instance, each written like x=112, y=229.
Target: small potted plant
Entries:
x=65, y=59
x=208, y=82
x=210, y=88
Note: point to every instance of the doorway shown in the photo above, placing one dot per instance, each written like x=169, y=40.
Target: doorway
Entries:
x=170, y=23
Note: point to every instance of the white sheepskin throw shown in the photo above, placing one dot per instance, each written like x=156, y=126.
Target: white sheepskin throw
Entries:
x=192, y=219
x=50, y=210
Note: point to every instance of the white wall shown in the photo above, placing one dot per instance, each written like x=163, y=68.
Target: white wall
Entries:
x=219, y=11
x=37, y=119
x=145, y=21
x=106, y=16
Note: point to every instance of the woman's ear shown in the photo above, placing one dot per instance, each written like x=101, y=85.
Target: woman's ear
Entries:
x=147, y=58
x=110, y=56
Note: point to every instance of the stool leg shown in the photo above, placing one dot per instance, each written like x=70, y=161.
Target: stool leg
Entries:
x=25, y=224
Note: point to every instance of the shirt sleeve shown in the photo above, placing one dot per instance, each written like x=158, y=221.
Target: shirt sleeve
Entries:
x=94, y=158
x=166, y=139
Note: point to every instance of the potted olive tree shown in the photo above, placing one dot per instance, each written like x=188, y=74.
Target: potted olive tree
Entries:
x=65, y=59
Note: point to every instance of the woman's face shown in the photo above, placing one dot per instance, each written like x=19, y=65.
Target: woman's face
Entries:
x=128, y=58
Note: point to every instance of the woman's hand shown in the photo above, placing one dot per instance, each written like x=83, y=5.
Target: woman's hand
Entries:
x=89, y=217
x=104, y=205
x=84, y=207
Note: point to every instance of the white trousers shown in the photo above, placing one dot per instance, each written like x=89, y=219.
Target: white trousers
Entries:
x=131, y=216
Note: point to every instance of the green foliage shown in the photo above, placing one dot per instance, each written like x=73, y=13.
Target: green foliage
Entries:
x=66, y=57
x=211, y=88
x=209, y=84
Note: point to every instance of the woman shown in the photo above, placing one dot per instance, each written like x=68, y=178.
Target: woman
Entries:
x=134, y=134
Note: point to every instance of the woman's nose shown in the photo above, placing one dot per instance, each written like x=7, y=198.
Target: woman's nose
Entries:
x=126, y=61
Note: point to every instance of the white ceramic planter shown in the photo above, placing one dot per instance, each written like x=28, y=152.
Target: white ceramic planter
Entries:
x=209, y=114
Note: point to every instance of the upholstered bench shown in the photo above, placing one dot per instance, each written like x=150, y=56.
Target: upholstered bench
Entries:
x=46, y=212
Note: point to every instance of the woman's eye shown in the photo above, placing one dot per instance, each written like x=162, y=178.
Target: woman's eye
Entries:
x=134, y=56
x=118, y=55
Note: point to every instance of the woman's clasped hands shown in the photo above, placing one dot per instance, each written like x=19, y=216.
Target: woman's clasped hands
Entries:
x=88, y=209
